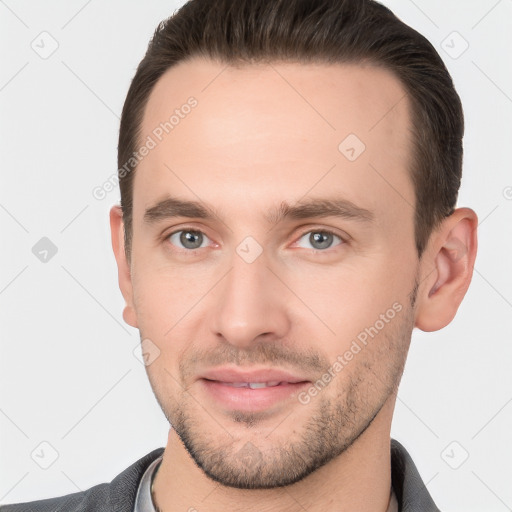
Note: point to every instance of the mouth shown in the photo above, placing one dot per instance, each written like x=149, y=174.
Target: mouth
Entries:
x=254, y=390
x=253, y=385
x=262, y=377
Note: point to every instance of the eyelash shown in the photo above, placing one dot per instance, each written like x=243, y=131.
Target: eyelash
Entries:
x=344, y=240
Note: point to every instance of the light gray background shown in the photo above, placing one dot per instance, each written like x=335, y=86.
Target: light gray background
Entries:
x=68, y=374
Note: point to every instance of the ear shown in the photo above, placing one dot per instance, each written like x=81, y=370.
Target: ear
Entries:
x=446, y=269
x=123, y=267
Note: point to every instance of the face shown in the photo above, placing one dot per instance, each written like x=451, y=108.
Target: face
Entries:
x=273, y=243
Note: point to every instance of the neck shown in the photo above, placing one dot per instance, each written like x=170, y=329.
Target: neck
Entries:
x=358, y=479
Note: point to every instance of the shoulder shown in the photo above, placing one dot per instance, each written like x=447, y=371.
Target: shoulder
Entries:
x=85, y=500
x=118, y=495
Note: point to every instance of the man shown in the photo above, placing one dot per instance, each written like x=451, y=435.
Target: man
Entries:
x=289, y=172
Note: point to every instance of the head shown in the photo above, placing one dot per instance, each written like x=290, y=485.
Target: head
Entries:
x=293, y=210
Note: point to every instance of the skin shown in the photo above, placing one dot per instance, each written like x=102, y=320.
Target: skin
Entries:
x=260, y=135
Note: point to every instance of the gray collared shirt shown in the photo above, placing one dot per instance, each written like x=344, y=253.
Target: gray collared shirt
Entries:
x=144, y=501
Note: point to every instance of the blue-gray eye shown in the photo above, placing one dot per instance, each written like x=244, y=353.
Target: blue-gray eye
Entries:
x=320, y=239
x=188, y=239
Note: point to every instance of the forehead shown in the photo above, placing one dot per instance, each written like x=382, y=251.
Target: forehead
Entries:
x=256, y=135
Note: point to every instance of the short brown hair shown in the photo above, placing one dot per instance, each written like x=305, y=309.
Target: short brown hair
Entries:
x=304, y=31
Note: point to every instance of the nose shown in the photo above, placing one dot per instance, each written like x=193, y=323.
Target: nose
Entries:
x=250, y=303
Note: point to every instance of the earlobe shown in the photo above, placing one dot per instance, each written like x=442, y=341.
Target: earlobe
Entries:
x=129, y=316
x=123, y=267
x=448, y=268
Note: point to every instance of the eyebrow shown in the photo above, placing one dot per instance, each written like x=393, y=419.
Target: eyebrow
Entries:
x=324, y=207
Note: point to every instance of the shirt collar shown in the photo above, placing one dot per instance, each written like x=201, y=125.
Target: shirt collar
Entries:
x=143, y=500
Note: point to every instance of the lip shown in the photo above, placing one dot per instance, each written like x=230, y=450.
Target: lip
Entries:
x=253, y=375
x=217, y=385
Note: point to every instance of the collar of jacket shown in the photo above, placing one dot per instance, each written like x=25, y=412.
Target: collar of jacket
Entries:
x=119, y=495
x=411, y=492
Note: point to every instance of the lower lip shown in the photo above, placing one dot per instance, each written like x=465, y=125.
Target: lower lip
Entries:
x=247, y=399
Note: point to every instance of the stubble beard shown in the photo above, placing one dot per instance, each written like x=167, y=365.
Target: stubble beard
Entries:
x=250, y=460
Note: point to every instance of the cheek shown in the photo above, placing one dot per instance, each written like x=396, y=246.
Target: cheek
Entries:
x=164, y=294
x=152, y=305
x=166, y=303
x=345, y=301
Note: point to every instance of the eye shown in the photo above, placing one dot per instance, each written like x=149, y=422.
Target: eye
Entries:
x=320, y=239
x=189, y=239
x=192, y=239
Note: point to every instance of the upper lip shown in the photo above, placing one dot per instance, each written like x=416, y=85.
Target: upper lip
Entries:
x=251, y=375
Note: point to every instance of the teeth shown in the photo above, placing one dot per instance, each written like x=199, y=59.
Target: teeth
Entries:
x=253, y=385
x=257, y=385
